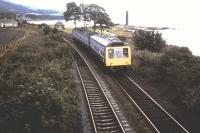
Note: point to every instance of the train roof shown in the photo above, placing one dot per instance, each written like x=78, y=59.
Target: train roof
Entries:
x=107, y=41
x=84, y=32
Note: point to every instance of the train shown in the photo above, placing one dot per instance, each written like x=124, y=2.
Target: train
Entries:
x=111, y=51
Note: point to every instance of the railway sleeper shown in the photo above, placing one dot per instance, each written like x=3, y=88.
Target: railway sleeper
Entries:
x=104, y=120
x=91, y=86
x=109, y=129
x=96, y=98
x=110, y=116
x=97, y=102
x=101, y=113
x=111, y=124
x=104, y=107
x=94, y=94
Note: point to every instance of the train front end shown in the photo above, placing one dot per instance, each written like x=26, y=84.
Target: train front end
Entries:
x=118, y=56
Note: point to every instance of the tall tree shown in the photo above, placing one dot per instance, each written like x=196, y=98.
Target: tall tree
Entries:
x=73, y=12
x=96, y=12
x=84, y=13
x=103, y=20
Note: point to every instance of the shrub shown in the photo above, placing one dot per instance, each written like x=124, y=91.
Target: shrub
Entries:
x=41, y=26
x=37, y=91
x=176, y=69
x=55, y=30
x=46, y=30
x=122, y=37
x=175, y=72
x=148, y=40
x=56, y=37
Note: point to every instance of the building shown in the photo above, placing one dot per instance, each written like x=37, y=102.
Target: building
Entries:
x=8, y=23
x=59, y=25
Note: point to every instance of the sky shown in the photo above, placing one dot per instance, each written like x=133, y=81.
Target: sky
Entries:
x=179, y=14
x=171, y=13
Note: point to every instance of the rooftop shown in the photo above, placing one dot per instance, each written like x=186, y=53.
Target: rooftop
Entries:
x=59, y=23
x=8, y=21
x=106, y=40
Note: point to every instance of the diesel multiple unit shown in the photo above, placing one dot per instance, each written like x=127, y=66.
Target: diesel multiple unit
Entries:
x=110, y=50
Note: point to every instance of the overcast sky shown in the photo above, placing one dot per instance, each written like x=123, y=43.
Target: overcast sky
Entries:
x=141, y=12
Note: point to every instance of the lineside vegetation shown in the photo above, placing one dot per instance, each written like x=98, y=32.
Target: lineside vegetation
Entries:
x=37, y=89
x=173, y=70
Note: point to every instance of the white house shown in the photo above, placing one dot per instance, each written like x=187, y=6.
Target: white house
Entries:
x=59, y=25
x=8, y=23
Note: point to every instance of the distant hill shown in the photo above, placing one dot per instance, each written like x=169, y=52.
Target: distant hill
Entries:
x=9, y=7
x=5, y=13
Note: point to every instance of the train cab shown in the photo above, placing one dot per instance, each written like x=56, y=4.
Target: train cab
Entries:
x=118, y=56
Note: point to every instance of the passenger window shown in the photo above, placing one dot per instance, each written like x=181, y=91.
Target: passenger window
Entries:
x=111, y=53
x=125, y=52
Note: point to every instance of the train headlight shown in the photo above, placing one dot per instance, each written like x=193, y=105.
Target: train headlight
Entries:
x=110, y=53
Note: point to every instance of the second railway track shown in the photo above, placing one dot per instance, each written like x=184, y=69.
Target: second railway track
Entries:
x=158, y=117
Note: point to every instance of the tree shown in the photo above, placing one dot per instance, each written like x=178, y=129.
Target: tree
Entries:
x=85, y=16
x=103, y=20
x=148, y=40
x=96, y=12
x=73, y=12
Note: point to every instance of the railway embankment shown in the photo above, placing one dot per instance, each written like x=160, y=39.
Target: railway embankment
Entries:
x=171, y=75
x=37, y=90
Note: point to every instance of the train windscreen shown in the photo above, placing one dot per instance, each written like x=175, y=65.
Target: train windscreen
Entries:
x=118, y=53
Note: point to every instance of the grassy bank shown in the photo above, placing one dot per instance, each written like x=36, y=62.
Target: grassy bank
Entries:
x=175, y=75
x=37, y=90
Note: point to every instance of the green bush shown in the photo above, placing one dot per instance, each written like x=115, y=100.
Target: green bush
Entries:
x=37, y=90
x=148, y=40
x=46, y=30
x=55, y=30
x=40, y=26
x=176, y=72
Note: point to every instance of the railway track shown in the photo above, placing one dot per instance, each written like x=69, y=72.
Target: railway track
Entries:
x=159, y=119
x=103, y=116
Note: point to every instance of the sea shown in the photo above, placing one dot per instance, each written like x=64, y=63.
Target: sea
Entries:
x=179, y=36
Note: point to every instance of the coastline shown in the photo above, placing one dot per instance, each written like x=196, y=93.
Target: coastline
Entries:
x=182, y=37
